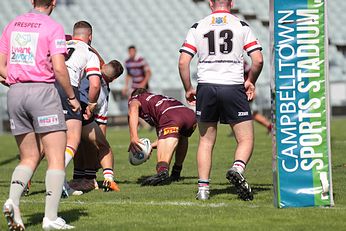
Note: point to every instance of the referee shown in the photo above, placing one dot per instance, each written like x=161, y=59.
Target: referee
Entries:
x=219, y=40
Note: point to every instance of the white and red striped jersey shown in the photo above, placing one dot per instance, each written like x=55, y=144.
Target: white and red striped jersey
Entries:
x=219, y=40
x=81, y=60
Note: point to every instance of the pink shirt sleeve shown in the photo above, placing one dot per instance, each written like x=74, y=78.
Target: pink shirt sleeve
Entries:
x=57, y=41
x=4, y=42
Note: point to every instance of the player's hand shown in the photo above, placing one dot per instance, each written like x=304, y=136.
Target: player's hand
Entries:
x=75, y=105
x=250, y=90
x=88, y=113
x=190, y=96
x=135, y=145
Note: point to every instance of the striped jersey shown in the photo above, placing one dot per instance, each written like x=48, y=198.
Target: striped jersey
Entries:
x=81, y=60
x=136, y=69
x=219, y=40
x=154, y=106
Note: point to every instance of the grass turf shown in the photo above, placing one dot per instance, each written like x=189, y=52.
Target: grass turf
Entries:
x=174, y=207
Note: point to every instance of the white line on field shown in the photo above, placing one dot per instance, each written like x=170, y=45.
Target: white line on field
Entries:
x=151, y=203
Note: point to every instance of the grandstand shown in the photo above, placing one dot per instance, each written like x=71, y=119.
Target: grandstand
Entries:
x=158, y=29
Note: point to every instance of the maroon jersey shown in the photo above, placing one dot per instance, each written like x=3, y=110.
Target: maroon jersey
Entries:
x=136, y=69
x=154, y=106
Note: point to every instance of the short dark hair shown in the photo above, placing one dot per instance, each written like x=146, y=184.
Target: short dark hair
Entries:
x=83, y=24
x=117, y=67
x=138, y=91
x=44, y=3
x=132, y=47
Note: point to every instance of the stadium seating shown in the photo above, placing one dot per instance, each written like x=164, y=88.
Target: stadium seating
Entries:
x=158, y=29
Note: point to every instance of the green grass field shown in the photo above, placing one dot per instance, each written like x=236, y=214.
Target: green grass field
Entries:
x=174, y=207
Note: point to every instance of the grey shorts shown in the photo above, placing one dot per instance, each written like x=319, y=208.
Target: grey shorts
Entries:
x=34, y=107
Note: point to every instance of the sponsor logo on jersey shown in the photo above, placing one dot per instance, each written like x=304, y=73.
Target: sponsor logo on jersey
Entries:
x=23, y=48
x=60, y=43
x=218, y=21
x=170, y=130
x=198, y=113
x=49, y=120
x=243, y=113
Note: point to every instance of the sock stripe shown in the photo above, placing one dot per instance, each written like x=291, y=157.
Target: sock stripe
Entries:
x=70, y=151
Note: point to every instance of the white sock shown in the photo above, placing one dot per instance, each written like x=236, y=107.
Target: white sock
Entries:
x=69, y=154
x=20, y=178
x=239, y=165
x=54, y=182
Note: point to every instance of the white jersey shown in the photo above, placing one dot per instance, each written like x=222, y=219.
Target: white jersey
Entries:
x=101, y=110
x=219, y=40
x=81, y=60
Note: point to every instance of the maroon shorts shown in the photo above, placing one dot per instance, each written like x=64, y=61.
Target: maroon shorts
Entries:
x=177, y=122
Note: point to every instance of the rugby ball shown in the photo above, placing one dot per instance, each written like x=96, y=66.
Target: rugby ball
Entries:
x=142, y=156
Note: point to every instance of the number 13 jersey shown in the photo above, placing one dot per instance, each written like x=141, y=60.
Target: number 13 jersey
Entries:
x=219, y=40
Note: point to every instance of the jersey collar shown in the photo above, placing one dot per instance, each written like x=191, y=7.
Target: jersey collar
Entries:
x=221, y=11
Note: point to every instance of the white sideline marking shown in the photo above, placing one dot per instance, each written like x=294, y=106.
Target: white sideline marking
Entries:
x=151, y=203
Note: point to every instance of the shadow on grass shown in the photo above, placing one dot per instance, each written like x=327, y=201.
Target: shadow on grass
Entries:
x=256, y=188
x=4, y=162
x=71, y=215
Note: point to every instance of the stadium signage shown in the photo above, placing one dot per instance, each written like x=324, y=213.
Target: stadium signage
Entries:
x=301, y=163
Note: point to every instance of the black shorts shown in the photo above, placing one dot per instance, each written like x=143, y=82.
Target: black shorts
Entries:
x=84, y=121
x=225, y=103
x=69, y=114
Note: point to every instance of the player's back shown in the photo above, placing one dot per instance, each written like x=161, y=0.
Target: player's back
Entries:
x=28, y=40
x=78, y=57
x=220, y=40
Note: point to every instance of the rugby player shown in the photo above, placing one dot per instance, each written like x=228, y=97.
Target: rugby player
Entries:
x=222, y=95
x=32, y=49
x=174, y=123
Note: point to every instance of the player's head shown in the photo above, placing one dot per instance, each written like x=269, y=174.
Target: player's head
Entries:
x=112, y=70
x=220, y=4
x=132, y=51
x=138, y=91
x=47, y=5
x=83, y=30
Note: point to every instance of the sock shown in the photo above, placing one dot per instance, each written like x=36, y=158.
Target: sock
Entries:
x=203, y=183
x=54, y=183
x=69, y=154
x=20, y=178
x=176, y=170
x=90, y=174
x=108, y=173
x=239, y=165
x=162, y=166
x=78, y=174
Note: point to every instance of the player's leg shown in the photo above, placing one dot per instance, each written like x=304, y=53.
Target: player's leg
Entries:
x=207, y=139
x=29, y=159
x=236, y=112
x=74, y=130
x=261, y=119
x=180, y=155
x=165, y=150
x=93, y=133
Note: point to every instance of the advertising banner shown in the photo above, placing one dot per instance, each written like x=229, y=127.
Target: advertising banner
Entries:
x=300, y=103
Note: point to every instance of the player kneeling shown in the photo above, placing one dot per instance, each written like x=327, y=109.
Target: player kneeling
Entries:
x=174, y=123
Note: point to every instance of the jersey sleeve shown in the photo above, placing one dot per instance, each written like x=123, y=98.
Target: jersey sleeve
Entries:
x=251, y=42
x=57, y=41
x=93, y=66
x=189, y=46
x=4, y=42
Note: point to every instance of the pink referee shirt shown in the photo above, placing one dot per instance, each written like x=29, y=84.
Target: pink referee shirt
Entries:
x=29, y=42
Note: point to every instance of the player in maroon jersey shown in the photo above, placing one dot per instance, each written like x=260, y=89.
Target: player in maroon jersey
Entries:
x=174, y=123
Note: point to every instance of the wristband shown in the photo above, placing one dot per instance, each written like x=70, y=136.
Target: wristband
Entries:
x=71, y=98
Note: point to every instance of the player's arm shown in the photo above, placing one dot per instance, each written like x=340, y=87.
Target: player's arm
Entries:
x=3, y=69
x=184, y=71
x=255, y=70
x=126, y=88
x=147, y=75
x=133, y=113
x=62, y=76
